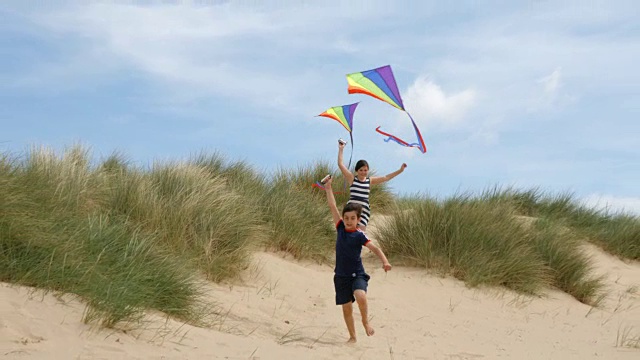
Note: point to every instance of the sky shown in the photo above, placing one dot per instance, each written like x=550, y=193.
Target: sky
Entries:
x=524, y=94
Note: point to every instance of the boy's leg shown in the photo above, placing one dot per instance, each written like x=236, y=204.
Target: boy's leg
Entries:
x=347, y=311
x=361, y=299
x=344, y=297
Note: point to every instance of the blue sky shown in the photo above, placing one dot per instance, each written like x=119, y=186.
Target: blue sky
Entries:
x=526, y=94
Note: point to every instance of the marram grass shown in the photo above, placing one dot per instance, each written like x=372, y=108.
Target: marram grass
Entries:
x=486, y=241
x=129, y=239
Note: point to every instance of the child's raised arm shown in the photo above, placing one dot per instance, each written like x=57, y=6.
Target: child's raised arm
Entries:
x=381, y=179
x=345, y=172
x=331, y=199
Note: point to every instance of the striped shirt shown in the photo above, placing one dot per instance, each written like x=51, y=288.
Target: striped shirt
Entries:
x=359, y=194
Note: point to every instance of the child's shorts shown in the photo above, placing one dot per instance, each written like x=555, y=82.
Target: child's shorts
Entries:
x=346, y=285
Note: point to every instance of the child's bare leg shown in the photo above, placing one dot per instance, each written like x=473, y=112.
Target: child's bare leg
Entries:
x=347, y=311
x=361, y=299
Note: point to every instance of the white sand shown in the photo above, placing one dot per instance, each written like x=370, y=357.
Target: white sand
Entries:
x=285, y=310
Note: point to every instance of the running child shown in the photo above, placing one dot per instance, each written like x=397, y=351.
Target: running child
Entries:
x=350, y=279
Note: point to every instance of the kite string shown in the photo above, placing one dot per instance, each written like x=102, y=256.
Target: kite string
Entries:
x=344, y=183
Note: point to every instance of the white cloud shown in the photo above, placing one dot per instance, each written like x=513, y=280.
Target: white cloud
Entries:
x=551, y=83
x=548, y=94
x=485, y=135
x=254, y=53
x=184, y=46
x=613, y=203
x=429, y=101
x=269, y=54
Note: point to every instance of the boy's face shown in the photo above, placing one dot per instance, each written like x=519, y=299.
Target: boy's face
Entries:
x=363, y=171
x=350, y=219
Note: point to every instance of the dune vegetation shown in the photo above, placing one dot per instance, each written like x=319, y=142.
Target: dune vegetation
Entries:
x=128, y=239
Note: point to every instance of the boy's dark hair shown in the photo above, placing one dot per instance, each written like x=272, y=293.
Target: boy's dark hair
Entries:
x=352, y=207
x=362, y=163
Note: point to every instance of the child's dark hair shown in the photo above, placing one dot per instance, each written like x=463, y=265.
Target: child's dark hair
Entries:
x=348, y=207
x=361, y=163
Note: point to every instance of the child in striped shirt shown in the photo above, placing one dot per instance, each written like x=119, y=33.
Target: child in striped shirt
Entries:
x=360, y=184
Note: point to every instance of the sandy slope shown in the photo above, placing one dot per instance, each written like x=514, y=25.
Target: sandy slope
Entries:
x=285, y=310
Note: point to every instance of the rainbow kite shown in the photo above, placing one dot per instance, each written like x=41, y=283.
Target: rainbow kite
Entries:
x=344, y=115
x=381, y=84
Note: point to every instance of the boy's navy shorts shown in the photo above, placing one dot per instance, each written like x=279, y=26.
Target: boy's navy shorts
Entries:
x=346, y=285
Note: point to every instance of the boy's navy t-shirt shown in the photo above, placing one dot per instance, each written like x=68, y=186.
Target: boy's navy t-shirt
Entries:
x=348, y=248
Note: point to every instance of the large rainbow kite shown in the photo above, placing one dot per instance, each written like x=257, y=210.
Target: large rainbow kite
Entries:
x=344, y=115
x=381, y=84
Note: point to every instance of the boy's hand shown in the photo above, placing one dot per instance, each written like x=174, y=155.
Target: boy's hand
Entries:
x=403, y=166
x=386, y=267
x=341, y=145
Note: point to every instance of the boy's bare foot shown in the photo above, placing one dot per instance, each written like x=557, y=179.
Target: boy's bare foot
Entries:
x=369, y=330
x=351, y=341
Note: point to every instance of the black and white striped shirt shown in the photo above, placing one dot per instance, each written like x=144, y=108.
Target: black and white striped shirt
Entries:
x=359, y=190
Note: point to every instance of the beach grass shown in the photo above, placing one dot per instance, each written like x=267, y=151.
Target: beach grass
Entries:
x=616, y=232
x=54, y=236
x=473, y=240
x=128, y=239
x=493, y=239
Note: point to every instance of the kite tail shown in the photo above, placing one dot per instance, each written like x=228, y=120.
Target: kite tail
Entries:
x=319, y=186
x=350, y=156
x=420, y=144
x=392, y=137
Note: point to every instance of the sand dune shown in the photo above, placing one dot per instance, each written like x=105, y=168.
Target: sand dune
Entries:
x=284, y=309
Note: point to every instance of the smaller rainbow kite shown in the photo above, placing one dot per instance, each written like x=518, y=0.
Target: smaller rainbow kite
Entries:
x=344, y=115
x=381, y=84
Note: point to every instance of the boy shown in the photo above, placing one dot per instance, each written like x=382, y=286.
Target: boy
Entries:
x=350, y=279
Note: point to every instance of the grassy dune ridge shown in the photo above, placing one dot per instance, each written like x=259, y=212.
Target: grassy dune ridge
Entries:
x=128, y=239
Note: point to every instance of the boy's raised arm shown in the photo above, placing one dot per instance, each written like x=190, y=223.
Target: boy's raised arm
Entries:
x=331, y=200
